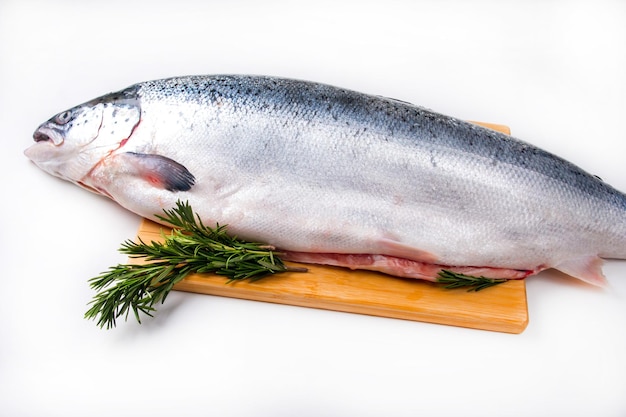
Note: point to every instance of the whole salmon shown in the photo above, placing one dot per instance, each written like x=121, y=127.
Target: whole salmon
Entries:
x=333, y=176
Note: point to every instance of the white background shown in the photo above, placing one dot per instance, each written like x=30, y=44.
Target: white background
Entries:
x=552, y=70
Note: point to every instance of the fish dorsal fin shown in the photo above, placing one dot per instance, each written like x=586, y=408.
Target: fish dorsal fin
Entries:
x=587, y=268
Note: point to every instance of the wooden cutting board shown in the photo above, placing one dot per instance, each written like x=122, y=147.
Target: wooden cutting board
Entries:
x=502, y=308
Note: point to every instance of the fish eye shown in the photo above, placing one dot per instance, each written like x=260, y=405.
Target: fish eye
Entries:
x=63, y=118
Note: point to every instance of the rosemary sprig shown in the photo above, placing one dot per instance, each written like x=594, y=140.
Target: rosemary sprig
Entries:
x=452, y=280
x=192, y=248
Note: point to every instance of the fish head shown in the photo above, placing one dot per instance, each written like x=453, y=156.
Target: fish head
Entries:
x=70, y=144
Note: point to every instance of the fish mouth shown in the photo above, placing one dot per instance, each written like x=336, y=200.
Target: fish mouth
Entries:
x=47, y=141
x=46, y=134
x=40, y=137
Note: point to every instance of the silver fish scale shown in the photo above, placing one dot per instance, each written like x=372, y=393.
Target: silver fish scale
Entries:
x=389, y=136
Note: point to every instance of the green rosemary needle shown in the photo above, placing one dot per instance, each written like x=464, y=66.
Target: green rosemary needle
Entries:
x=452, y=280
x=191, y=248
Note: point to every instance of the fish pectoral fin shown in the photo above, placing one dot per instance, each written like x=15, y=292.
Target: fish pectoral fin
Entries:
x=159, y=171
x=587, y=268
